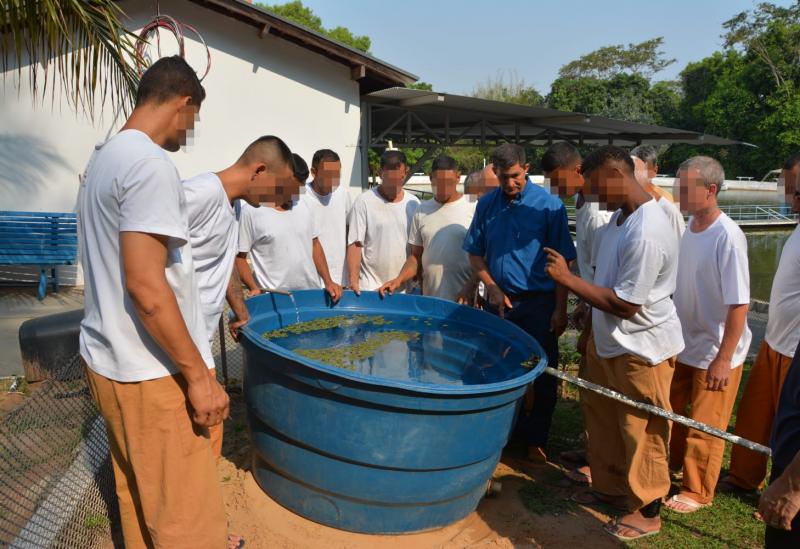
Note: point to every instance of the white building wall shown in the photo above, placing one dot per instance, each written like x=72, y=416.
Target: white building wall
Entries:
x=255, y=87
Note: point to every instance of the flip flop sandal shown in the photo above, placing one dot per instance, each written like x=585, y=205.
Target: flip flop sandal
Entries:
x=590, y=497
x=576, y=476
x=573, y=456
x=241, y=542
x=692, y=505
x=613, y=527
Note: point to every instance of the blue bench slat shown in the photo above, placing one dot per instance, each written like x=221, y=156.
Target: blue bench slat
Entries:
x=12, y=223
x=37, y=214
x=47, y=241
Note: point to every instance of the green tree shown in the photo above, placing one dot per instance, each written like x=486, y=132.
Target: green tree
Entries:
x=420, y=86
x=83, y=46
x=644, y=58
x=297, y=12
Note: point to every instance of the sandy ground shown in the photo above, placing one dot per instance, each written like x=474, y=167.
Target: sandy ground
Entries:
x=501, y=521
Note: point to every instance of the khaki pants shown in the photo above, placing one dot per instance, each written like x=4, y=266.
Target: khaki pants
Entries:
x=754, y=418
x=628, y=447
x=164, y=468
x=699, y=454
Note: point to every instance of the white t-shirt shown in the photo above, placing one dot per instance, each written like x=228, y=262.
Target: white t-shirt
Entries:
x=589, y=219
x=640, y=265
x=213, y=234
x=382, y=228
x=712, y=275
x=280, y=246
x=675, y=217
x=783, y=325
x=440, y=229
x=131, y=185
x=331, y=212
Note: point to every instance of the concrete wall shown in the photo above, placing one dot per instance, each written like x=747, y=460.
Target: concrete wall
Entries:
x=255, y=87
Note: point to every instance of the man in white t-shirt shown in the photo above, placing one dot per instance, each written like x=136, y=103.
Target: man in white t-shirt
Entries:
x=283, y=244
x=377, y=238
x=712, y=297
x=760, y=397
x=437, y=232
x=213, y=228
x=142, y=338
x=662, y=198
x=636, y=336
x=561, y=165
x=330, y=204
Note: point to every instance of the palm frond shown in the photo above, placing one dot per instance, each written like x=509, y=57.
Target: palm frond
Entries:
x=82, y=45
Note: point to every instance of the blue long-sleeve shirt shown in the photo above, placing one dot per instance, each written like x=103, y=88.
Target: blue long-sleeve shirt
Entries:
x=511, y=236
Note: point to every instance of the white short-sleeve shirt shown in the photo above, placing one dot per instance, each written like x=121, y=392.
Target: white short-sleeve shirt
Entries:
x=712, y=275
x=382, y=229
x=331, y=212
x=280, y=245
x=440, y=229
x=640, y=266
x=783, y=325
x=213, y=233
x=589, y=220
x=674, y=215
x=131, y=185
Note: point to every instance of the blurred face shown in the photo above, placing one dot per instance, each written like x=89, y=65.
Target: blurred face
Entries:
x=694, y=196
x=393, y=178
x=327, y=176
x=566, y=180
x=605, y=185
x=791, y=183
x=182, y=124
x=271, y=187
x=444, y=183
x=512, y=179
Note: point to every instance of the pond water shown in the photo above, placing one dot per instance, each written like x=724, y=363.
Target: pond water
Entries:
x=405, y=348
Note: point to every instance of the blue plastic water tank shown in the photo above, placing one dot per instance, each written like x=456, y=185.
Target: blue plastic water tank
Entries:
x=366, y=454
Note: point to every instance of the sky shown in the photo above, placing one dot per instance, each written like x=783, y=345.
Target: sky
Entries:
x=456, y=44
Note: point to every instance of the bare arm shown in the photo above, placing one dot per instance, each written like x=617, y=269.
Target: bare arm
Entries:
x=719, y=370
x=409, y=270
x=144, y=257
x=321, y=264
x=597, y=296
x=558, y=322
x=467, y=294
x=780, y=502
x=495, y=296
x=354, y=265
x=235, y=298
x=245, y=274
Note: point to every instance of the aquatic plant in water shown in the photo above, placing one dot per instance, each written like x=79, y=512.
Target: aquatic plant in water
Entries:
x=347, y=356
x=326, y=324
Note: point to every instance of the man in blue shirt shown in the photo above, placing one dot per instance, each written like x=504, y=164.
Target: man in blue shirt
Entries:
x=512, y=226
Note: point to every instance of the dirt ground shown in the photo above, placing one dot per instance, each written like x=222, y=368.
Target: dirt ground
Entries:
x=501, y=521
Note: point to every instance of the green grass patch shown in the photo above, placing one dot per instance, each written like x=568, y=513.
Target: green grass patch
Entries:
x=542, y=499
x=96, y=522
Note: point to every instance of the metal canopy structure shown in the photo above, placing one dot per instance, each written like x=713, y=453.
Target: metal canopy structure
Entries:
x=434, y=120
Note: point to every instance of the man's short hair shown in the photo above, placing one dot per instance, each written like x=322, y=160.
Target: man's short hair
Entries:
x=324, y=155
x=792, y=161
x=300, y=168
x=606, y=153
x=508, y=154
x=647, y=154
x=560, y=155
x=710, y=170
x=444, y=162
x=167, y=78
x=393, y=160
x=267, y=149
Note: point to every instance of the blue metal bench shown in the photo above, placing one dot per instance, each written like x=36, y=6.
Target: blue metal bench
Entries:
x=41, y=239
